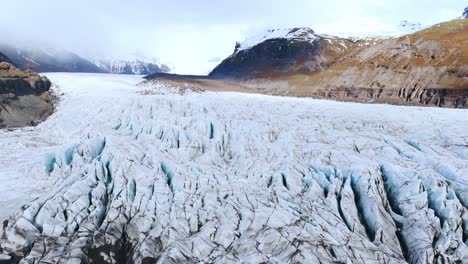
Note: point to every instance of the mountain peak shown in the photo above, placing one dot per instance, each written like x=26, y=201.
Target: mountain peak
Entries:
x=299, y=33
x=130, y=64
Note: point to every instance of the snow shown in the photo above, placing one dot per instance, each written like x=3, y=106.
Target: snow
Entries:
x=232, y=177
x=136, y=62
x=307, y=34
x=303, y=34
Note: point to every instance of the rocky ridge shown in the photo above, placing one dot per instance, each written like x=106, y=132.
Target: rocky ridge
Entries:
x=24, y=97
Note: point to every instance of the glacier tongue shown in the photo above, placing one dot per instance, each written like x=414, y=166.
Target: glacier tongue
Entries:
x=229, y=178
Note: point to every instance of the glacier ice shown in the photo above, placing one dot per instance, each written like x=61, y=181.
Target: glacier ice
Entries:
x=229, y=178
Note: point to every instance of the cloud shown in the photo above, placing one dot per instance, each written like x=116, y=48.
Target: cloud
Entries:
x=194, y=32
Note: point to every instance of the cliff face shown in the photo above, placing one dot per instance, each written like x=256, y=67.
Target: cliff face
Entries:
x=427, y=67
x=24, y=97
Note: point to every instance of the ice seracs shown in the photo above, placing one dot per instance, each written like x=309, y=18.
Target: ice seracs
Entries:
x=230, y=178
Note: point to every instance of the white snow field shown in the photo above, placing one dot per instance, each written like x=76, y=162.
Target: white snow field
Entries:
x=115, y=176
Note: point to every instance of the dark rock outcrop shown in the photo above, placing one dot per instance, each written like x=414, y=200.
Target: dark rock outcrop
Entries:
x=24, y=97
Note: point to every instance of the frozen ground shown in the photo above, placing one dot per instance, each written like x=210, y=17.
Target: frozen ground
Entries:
x=229, y=177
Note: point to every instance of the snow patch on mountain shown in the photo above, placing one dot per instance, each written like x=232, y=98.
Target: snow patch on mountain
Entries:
x=307, y=34
x=46, y=58
x=302, y=34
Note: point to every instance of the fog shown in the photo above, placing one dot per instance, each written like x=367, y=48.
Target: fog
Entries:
x=192, y=36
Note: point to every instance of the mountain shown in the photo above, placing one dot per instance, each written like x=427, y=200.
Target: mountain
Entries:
x=425, y=67
x=284, y=52
x=24, y=96
x=4, y=58
x=276, y=52
x=130, y=65
x=408, y=27
x=465, y=13
x=47, y=60
x=59, y=60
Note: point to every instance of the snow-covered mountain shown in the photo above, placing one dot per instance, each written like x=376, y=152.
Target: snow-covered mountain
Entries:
x=130, y=65
x=4, y=58
x=124, y=175
x=303, y=34
x=47, y=59
x=300, y=62
x=284, y=51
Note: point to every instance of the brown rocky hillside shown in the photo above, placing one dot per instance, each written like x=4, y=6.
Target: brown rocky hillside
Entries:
x=24, y=97
x=428, y=67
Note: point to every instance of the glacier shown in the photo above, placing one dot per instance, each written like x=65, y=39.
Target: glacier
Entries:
x=127, y=173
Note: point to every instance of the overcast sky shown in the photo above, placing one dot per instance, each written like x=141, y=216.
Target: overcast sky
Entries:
x=193, y=35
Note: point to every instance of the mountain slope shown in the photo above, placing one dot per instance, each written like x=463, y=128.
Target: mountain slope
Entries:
x=229, y=178
x=429, y=67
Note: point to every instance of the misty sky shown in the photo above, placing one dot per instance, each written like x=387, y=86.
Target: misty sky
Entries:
x=194, y=35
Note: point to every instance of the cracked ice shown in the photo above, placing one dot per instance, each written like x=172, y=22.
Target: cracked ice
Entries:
x=115, y=176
